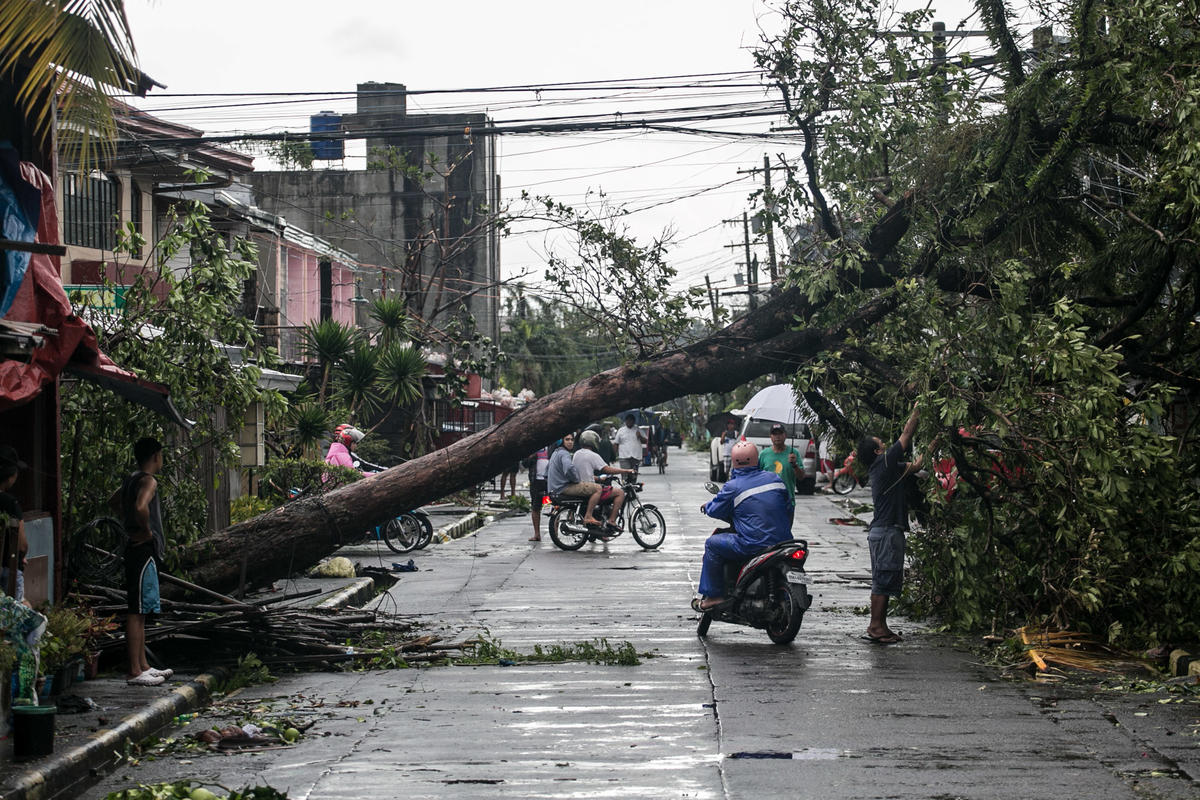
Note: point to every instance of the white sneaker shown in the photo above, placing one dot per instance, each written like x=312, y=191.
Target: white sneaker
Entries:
x=165, y=674
x=147, y=678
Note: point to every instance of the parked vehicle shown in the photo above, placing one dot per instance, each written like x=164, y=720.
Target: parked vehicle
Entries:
x=757, y=430
x=769, y=591
x=643, y=520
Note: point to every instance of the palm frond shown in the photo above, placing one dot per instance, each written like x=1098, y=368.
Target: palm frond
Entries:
x=357, y=377
x=76, y=53
x=392, y=316
x=402, y=367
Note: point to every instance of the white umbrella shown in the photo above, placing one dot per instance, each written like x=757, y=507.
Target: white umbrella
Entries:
x=778, y=403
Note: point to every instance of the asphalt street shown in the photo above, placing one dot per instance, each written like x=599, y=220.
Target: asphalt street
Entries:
x=732, y=716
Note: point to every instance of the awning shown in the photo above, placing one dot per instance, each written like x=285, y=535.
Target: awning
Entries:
x=151, y=395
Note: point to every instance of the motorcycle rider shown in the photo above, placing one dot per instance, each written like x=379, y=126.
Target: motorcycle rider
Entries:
x=755, y=502
x=345, y=437
x=563, y=479
x=589, y=462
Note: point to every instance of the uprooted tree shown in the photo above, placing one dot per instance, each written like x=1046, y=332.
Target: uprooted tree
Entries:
x=1012, y=241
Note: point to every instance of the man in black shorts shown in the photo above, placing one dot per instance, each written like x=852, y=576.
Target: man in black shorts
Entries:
x=137, y=500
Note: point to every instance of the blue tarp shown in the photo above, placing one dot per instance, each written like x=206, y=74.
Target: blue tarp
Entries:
x=20, y=210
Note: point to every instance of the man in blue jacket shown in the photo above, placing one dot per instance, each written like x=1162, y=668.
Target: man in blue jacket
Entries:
x=755, y=502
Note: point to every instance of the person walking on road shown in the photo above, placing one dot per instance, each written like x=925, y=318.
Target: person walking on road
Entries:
x=886, y=535
x=538, y=464
x=729, y=437
x=629, y=444
x=137, y=500
x=783, y=460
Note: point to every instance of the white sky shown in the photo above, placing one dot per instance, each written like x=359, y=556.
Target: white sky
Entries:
x=305, y=46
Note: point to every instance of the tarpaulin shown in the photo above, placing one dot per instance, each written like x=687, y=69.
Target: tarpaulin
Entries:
x=20, y=207
x=41, y=299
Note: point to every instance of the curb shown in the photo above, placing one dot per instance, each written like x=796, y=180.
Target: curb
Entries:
x=359, y=591
x=1181, y=661
x=63, y=771
x=461, y=527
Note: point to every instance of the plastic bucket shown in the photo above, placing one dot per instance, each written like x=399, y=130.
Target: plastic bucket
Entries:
x=33, y=731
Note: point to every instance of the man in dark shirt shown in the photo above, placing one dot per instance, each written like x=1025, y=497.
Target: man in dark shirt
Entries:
x=11, y=517
x=886, y=534
x=137, y=500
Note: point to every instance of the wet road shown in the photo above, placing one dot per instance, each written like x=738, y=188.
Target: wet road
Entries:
x=830, y=716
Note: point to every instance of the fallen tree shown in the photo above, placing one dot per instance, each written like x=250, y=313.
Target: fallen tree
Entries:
x=300, y=533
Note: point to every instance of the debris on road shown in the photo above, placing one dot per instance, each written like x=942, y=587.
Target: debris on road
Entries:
x=278, y=634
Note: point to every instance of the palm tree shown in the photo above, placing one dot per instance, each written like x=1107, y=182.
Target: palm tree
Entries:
x=330, y=342
x=402, y=366
x=393, y=319
x=77, y=53
x=357, y=377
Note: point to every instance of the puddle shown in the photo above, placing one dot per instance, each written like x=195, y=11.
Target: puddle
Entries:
x=808, y=754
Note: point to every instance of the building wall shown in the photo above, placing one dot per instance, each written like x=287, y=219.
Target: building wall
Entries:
x=375, y=214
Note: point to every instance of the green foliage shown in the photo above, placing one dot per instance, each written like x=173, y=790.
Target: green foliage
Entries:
x=249, y=671
x=247, y=507
x=547, y=346
x=165, y=334
x=1040, y=302
x=194, y=790
x=310, y=476
x=490, y=650
x=616, y=285
x=518, y=502
x=66, y=637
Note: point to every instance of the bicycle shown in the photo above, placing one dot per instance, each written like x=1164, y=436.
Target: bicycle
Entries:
x=97, y=551
x=643, y=520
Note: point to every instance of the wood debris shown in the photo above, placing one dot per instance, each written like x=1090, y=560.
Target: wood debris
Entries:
x=1073, y=650
x=278, y=632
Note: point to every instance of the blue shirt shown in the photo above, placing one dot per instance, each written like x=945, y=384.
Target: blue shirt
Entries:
x=756, y=503
x=562, y=472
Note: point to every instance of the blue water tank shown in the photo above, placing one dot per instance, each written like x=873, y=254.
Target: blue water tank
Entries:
x=327, y=149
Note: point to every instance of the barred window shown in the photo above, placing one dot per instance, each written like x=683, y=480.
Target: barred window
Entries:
x=91, y=210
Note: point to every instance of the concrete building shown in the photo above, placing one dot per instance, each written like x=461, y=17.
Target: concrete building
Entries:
x=418, y=219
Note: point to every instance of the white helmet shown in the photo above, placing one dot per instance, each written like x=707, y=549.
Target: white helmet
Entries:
x=590, y=439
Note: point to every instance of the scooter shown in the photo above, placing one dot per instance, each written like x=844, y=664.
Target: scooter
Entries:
x=769, y=592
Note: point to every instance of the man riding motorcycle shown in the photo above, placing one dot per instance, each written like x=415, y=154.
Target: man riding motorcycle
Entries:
x=755, y=503
x=589, y=462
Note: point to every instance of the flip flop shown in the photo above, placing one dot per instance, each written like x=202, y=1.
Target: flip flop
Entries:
x=893, y=638
x=534, y=539
x=705, y=609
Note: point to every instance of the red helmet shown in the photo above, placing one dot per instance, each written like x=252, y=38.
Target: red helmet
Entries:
x=348, y=434
x=744, y=454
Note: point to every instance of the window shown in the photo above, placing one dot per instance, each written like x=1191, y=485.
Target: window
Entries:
x=91, y=210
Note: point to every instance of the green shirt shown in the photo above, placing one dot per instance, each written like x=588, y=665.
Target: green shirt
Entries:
x=771, y=461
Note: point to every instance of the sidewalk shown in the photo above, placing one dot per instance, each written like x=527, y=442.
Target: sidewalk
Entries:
x=89, y=742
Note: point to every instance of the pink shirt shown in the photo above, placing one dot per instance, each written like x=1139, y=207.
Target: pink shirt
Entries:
x=339, y=456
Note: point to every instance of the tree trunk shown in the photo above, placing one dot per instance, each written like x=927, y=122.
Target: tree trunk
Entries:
x=297, y=535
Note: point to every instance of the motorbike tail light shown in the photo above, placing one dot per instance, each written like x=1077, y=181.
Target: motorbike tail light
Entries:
x=799, y=555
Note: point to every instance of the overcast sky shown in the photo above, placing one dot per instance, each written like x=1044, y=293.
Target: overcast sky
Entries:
x=302, y=46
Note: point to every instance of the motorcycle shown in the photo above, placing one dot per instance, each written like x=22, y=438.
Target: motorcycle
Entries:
x=769, y=591
x=643, y=520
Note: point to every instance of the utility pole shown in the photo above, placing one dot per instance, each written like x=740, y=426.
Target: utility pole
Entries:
x=769, y=203
x=751, y=265
x=712, y=298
